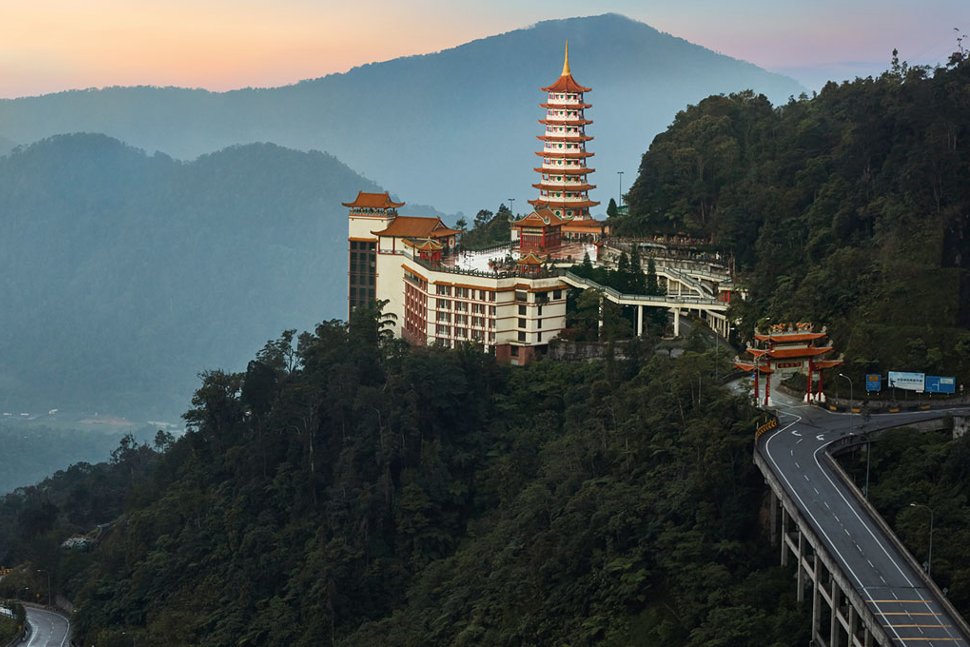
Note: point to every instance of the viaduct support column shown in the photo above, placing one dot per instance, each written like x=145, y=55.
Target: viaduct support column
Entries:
x=676, y=312
x=816, y=601
x=835, y=627
x=784, y=537
x=800, y=572
x=639, y=321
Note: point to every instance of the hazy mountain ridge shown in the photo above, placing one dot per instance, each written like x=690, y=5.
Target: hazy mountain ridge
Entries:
x=126, y=274
x=455, y=128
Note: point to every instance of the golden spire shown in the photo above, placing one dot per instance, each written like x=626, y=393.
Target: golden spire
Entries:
x=565, y=62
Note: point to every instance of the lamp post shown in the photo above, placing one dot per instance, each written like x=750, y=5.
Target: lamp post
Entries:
x=929, y=556
x=851, y=387
x=620, y=173
x=511, y=204
x=49, y=594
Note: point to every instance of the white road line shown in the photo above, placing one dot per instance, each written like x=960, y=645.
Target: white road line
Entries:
x=874, y=538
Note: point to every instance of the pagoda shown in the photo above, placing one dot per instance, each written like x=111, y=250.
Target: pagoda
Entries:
x=564, y=187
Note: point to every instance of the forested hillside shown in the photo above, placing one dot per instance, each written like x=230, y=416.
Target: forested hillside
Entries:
x=125, y=274
x=350, y=491
x=850, y=209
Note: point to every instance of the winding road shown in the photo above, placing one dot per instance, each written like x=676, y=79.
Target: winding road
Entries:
x=47, y=628
x=908, y=610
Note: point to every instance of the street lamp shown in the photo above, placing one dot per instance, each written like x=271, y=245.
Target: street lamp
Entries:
x=40, y=570
x=512, y=204
x=929, y=557
x=620, y=173
x=851, y=386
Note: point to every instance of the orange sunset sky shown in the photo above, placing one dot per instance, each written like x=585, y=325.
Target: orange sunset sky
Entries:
x=54, y=45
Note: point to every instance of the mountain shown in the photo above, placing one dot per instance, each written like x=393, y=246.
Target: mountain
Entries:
x=6, y=145
x=455, y=128
x=125, y=274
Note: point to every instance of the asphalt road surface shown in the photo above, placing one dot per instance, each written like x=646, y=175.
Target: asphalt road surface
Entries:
x=48, y=629
x=908, y=611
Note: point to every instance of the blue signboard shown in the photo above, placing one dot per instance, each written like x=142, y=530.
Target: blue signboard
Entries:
x=937, y=384
x=873, y=382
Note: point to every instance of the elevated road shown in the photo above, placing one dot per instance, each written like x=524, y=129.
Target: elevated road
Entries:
x=876, y=572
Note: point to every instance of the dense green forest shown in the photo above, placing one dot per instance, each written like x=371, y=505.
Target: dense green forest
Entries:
x=125, y=274
x=850, y=209
x=348, y=490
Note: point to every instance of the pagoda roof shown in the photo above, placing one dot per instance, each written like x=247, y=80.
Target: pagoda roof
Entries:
x=565, y=187
x=566, y=82
x=566, y=121
x=564, y=138
x=564, y=204
x=558, y=155
x=529, y=259
x=366, y=200
x=828, y=363
x=541, y=217
x=748, y=367
x=416, y=227
x=790, y=337
x=568, y=106
x=567, y=170
x=790, y=353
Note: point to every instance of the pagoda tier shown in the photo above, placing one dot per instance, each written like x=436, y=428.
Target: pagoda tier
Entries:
x=564, y=149
x=551, y=154
x=563, y=138
x=559, y=170
x=564, y=187
x=558, y=204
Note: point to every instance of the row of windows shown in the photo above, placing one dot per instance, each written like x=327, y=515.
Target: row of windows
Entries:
x=356, y=244
x=443, y=332
x=560, y=145
x=464, y=293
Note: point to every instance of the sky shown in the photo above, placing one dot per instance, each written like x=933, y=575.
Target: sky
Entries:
x=56, y=45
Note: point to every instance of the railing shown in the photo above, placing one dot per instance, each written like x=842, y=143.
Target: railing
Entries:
x=616, y=295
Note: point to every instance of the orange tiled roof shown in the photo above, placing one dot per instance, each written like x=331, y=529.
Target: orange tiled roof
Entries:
x=541, y=217
x=416, y=227
x=373, y=201
x=566, y=83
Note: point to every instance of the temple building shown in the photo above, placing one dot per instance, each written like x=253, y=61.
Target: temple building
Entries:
x=564, y=186
x=510, y=300
x=786, y=349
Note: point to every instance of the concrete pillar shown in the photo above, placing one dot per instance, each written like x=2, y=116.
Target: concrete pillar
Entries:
x=834, y=630
x=867, y=641
x=773, y=504
x=784, y=537
x=853, y=624
x=639, y=321
x=676, y=312
x=816, y=600
x=800, y=576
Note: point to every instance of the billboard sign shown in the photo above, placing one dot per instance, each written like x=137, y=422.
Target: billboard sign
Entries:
x=906, y=381
x=937, y=384
x=873, y=382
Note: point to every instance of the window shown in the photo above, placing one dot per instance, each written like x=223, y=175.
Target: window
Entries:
x=521, y=322
x=520, y=295
x=515, y=351
x=521, y=336
x=522, y=310
x=443, y=304
x=557, y=294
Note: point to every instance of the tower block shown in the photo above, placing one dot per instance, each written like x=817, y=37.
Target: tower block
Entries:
x=564, y=187
x=368, y=212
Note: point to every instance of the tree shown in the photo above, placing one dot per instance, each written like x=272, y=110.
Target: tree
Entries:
x=611, y=209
